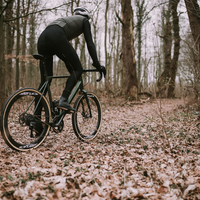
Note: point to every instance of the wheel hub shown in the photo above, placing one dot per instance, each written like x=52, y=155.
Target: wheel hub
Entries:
x=25, y=118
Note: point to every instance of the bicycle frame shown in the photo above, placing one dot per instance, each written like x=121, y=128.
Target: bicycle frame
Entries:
x=78, y=86
x=34, y=113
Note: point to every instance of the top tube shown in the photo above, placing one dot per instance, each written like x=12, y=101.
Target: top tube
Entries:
x=90, y=70
x=84, y=70
x=67, y=76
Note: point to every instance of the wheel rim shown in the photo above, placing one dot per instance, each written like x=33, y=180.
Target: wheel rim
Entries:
x=87, y=125
x=17, y=120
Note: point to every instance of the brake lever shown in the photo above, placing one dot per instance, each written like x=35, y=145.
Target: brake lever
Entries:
x=99, y=79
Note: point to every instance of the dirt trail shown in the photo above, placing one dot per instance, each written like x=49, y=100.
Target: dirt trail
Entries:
x=142, y=151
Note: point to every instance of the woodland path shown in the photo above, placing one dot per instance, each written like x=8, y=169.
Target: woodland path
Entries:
x=141, y=152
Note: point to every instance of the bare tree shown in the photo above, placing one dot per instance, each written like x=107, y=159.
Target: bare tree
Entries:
x=4, y=5
x=193, y=11
x=128, y=52
x=9, y=31
x=17, y=47
x=142, y=18
x=167, y=47
x=2, y=58
x=176, y=38
x=24, y=40
x=166, y=82
x=105, y=44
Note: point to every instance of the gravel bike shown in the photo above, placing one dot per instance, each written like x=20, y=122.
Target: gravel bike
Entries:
x=19, y=113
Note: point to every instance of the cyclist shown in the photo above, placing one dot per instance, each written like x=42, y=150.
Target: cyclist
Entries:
x=54, y=40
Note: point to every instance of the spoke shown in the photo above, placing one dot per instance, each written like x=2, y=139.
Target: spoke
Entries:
x=87, y=124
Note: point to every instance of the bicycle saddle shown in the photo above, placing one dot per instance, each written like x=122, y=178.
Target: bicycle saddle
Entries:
x=38, y=56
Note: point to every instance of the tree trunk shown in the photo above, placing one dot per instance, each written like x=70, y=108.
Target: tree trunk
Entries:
x=139, y=54
x=146, y=64
x=2, y=60
x=24, y=46
x=114, y=57
x=76, y=40
x=141, y=19
x=118, y=63
x=33, y=70
x=174, y=62
x=9, y=49
x=131, y=85
x=95, y=28
x=105, y=46
x=165, y=76
x=17, y=48
x=193, y=11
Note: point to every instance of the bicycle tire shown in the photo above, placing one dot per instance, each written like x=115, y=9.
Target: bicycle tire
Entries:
x=86, y=127
x=17, y=116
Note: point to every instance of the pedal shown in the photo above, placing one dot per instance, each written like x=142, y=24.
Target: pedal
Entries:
x=55, y=109
x=55, y=102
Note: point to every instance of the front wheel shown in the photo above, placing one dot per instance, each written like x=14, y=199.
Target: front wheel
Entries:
x=87, y=120
x=18, y=119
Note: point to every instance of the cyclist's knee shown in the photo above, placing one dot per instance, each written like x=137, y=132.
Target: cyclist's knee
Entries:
x=77, y=73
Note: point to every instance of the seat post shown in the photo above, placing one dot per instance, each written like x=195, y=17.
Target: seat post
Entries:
x=43, y=60
x=44, y=67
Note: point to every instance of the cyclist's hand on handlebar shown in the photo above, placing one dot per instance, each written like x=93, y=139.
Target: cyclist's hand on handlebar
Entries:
x=100, y=68
x=103, y=70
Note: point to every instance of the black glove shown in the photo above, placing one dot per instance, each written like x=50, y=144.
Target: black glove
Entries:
x=101, y=69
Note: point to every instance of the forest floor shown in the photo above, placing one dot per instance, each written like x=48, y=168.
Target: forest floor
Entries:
x=143, y=151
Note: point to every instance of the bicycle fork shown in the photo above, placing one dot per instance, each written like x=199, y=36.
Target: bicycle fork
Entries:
x=88, y=104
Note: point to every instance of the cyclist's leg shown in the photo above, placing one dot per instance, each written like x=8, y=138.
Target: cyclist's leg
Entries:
x=49, y=64
x=45, y=49
x=69, y=56
x=72, y=62
x=53, y=41
x=55, y=38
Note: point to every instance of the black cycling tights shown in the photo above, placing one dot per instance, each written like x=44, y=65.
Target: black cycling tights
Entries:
x=53, y=41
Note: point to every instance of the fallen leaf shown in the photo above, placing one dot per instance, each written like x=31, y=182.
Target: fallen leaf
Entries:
x=163, y=189
x=189, y=188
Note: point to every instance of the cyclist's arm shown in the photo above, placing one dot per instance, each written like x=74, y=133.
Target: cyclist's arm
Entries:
x=90, y=44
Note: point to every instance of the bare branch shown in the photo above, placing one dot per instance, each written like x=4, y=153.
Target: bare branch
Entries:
x=43, y=10
x=119, y=18
x=161, y=36
x=154, y=8
x=7, y=3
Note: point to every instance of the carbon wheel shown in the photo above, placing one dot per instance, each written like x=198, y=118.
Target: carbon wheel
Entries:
x=19, y=120
x=87, y=120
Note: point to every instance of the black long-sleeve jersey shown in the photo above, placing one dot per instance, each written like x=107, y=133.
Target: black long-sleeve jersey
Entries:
x=73, y=27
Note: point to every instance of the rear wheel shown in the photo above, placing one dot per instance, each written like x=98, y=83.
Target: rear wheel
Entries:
x=19, y=120
x=87, y=120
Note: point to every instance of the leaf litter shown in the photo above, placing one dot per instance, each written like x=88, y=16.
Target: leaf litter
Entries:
x=148, y=151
